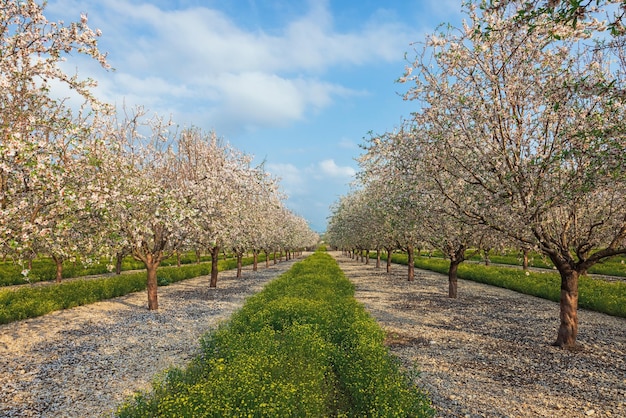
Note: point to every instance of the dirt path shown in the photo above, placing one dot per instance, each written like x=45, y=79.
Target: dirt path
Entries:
x=488, y=353
x=85, y=361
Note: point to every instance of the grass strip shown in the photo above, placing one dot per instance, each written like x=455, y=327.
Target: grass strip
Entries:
x=31, y=302
x=614, y=266
x=44, y=269
x=594, y=294
x=303, y=347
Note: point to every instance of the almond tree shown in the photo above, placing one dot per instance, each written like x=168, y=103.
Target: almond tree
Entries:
x=266, y=205
x=387, y=166
x=212, y=170
x=529, y=125
x=242, y=231
x=300, y=235
x=203, y=162
x=70, y=224
x=42, y=139
x=149, y=210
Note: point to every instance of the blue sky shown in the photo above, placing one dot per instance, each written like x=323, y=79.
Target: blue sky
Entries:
x=297, y=84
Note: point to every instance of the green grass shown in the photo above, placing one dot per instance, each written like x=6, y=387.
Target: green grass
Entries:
x=594, y=294
x=44, y=268
x=303, y=347
x=30, y=302
x=615, y=266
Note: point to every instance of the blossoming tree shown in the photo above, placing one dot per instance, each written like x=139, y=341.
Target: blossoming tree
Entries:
x=43, y=141
x=529, y=123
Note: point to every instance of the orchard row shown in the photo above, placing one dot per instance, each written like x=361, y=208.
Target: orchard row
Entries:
x=90, y=183
x=517, y=141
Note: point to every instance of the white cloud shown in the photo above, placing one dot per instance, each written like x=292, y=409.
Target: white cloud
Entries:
x=198, y=61
x=331, y=169
x=292, y=179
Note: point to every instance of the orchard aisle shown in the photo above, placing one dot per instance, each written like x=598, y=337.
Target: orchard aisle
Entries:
x=488, y=353
x=84, y=361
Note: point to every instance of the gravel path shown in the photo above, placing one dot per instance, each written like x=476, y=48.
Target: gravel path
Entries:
x=85, y=361
x=488, y=353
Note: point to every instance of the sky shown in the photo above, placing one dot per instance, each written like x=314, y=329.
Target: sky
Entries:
x=297, y=84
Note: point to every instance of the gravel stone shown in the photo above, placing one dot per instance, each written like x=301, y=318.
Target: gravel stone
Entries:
x=488, y=353
x=86, y=361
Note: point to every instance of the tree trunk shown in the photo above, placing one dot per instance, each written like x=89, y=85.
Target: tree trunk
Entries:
x=275, y=261
x=177, y=258
x=411, y=263
x=452, y=278
x=151, y=284
x=59, y=268
x=367, y=256
x=255, y=262
x=525, y=259
x=215, y=258
x=267, y=259
x=378, y=258
x=239, y=265
x=197, y=256
x=486, y=256
x=119, y=258
x=568, y=329
x=388, y=261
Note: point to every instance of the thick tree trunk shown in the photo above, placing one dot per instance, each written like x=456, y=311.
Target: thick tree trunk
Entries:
x=452, y=278
x=411, y=263
x=388, y=261
x=568, y=329
x=58, y=261
x=367, y=256
x=275, y=260
x=215, y=258
x=378, y=258
x=151, y=268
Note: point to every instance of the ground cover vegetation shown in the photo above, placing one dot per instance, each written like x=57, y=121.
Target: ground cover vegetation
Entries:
x=30, y=302
x=301, y=347
x=596, y=295
x=91, y=181
x=44, y=268
x=517, y=141
x=615, y=266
